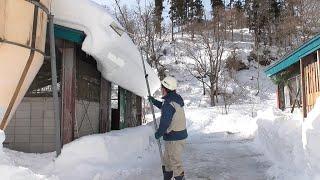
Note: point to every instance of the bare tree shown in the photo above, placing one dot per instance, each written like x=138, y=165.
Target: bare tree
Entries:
x=199, y=69
x=207, y=58
x=139, y=22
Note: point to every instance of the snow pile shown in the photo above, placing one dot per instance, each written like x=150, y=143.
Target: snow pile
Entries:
x=9, y=171
x=2, y=138
x=311, y=132
x=290, y=143
x=113, y=155
x=279, y=137
x=4, y=160
x=118, y=59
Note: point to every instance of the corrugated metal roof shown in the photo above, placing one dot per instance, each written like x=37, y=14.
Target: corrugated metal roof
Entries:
x=304, y=50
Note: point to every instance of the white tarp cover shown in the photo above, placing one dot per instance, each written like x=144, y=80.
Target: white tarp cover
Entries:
x=118, y=59
x=18, y=65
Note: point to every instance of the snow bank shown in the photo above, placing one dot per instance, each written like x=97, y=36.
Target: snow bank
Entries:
x=107, y=155
x=311, y=131
x=2, y=138
x=118, y=59
x=290, y=143
x=9, y=171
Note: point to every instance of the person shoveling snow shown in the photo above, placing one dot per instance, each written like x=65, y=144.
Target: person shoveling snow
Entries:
x=172, y=128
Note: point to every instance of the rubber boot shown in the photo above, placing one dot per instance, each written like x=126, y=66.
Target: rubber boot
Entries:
x=181, y=177
x=167, y=175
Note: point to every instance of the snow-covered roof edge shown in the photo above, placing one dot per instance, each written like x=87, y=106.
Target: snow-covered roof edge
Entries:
x=118, y=59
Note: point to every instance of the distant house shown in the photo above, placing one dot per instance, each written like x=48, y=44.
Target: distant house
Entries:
x=298, y=77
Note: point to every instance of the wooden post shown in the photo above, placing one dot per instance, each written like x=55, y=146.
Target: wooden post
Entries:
x=121, y=106
x=278, y=97
x=139, y=110
x=303, y=93
x=282, y=104
x=105, y=106
x=318, y=60
x=68, y=92
x=128, y=118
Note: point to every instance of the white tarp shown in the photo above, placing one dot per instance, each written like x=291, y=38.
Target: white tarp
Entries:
x=118, y=59
x=20, y=22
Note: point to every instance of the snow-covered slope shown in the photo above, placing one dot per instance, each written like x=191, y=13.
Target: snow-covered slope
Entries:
x=118, y=59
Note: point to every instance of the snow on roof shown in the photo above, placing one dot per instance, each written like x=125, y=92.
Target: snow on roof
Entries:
x=295, y=56
x=118, y=58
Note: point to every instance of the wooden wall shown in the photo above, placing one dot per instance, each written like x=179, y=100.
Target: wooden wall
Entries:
x=68, y=92
x=310, y=80
x=312, y=85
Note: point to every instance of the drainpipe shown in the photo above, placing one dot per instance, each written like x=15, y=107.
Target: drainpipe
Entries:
x=54, y=85
x=303, y=95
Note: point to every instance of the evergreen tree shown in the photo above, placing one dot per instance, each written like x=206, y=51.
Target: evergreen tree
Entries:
x=215, y=5
x=178, y=14
x=275, y=9
x=158, y=15
x=181, y=12
x=173, y=16
x=189, y=9
x=238, y=6
x=198, y=10
x=264, y=18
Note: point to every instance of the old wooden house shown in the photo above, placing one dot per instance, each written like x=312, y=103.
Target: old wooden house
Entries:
x=89, y=104
x=298, y=77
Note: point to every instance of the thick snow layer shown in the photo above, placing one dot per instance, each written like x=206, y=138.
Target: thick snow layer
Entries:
x=279, y=137
x=119, y=60
x=111, y=155
x=291, y=143
x=311, y=136
x=9, y=171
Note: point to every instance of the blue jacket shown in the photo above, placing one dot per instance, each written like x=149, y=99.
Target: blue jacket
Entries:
x=167, y=113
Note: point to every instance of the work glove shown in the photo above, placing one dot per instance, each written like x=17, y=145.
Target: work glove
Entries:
x=157, y=136
x=151, y=99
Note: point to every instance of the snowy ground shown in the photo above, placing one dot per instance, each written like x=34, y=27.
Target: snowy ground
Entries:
x=223, y=156
x=219, y=147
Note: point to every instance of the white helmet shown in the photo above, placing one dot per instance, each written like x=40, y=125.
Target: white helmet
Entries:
x=169, y=83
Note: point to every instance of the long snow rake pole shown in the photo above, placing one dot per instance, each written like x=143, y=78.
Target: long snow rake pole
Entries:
x=116, y=28
x=152, y=109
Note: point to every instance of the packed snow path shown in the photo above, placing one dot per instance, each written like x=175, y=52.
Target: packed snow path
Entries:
x=223, y=156
x=217, y=156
